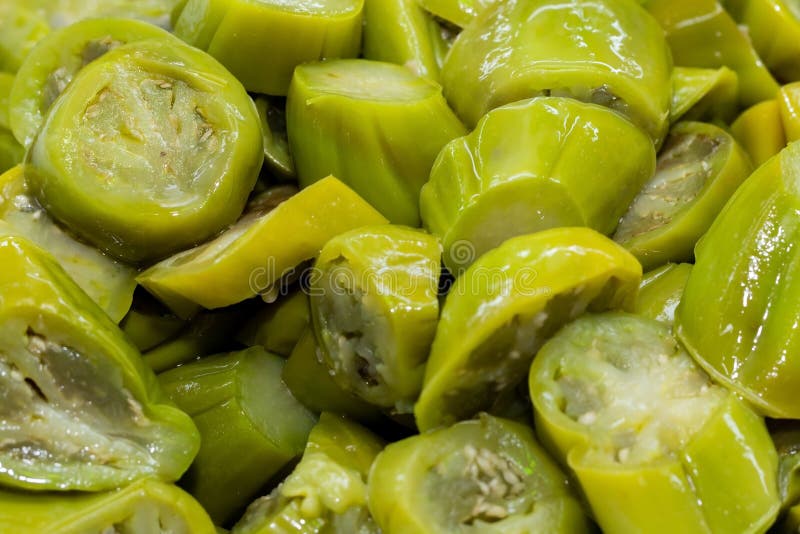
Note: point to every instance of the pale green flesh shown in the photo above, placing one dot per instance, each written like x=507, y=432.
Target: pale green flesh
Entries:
x=367, y=80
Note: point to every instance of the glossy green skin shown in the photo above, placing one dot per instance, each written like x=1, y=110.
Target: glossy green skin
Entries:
x=279, y=326
x=54, y=63
x=134, y=431
x=789, y=106
x=393, y=274
x=11, y=152
x=520, y=49
x=328, y=484
x=148, y=330
x=661, y=292
x=250, y=426
x=786, y=436
x=130, y=217
x=503, y=308
x=146, y=506
x=20, y=30
x=381, y=145
x=233, y=32
x=738, y=312
x=722, y=478
x=704, y=94
x=759, y=129
x=702, y=34
x=276, y=145
x=458, y=12
x=523, y=169
x=401, y=32
x=6, y=82
x=411, y=490
x=672, y=238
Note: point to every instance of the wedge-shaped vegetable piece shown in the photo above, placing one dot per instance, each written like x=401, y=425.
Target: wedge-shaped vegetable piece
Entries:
x=374, y=125
x=524, y=169
x=759, y=129
x=655, y=445
x=234, y=32
x=699, y=168
x=327, y=491
x=609, y=52
x=153, y=148
x=484, y=475
x=250, y=425
x=108, y=282
x=374, y=306
x=704, y=94
x=20, y=29
x=738, y=313
x=144, y=507
x=789, y=105
x=52, y=65
x=278, y=326
x=661, y=292
x=252, y=256
x=507, y=304
x=272, y=112
x=457, y=12
x=80, y=410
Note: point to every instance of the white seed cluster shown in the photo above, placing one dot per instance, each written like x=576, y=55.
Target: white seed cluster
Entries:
x=497, y=479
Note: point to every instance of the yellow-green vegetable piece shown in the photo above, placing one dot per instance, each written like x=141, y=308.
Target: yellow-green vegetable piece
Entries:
x=374, y=125
x=254, y=254
x=457, y=12
x=108, y=282
x=327, y=491
x=277, y=157
x=80, y=409
x=278, y=326
x=786, y=436
x=144, y=507
x=661, y=291
x=655, y=445
x=6, y=82
x=699, y=168
x=147, y=327
x=61, y=13
x=704, y=94
x=11, y=152
x=262, y=41
x=250, y=426
x=739, y=311
x=789, y=105
x=524, y=169
x=608, y=52
x=759, y=129
x=20, y=30
x=502, y=309
x=487, y=475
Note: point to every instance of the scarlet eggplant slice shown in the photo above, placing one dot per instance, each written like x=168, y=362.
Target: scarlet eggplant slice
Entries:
x=80, y=410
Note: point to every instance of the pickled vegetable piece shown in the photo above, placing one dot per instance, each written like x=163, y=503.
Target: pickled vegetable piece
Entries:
x=704, y=94
x=80, y=410
x=250, y=425
x=148, y=324
x=20, y=30
x=253, y=255
x=655, y=445
x=608, y=52
x=523, y=169
x=789, y=106
x=11, y=152
x=661, y=292
x=147, y=507
x=279, y=326
x=262, y=41
x=374, y=306
x=6, y=81
x=61, y=13
x=52, y=65
x=790, y=522
x=699, y=168
x=740, y=305
x=484, y=475
x=759, y=130
x=507, y=304
x=169, y=147
x=276, y=144
x=327, y=491
x=458, y=12
x=375, y=126
x=786, y=436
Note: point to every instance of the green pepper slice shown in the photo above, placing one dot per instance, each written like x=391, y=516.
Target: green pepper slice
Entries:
x=483, y=475
x=740, y=305
x=299, y=32
x=254, y=254
x=374, y=306
x=609, y=52
x=250, y=426
x=6, y=82
x=80, y=410
x=144, y=507
x=148, y=324
x=374, y=125
x=168, y=147
x=327, y=491
x=457, y=12
x=11, y=152
x=62, y=13
x=655, y=445
x=704, y=94
x=699, y=168
x=277, y=157
x=789, y=105
x=661, y=291
x=20, y=30
x=52, y=65
x=507, y=304
x=523, y=169
x=278, y=326
x=786, y=436
x=759, y=129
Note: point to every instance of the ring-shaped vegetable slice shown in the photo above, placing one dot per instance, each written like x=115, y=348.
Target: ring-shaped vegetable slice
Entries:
x=704, y=94
x=759, y=129
x=661, y=291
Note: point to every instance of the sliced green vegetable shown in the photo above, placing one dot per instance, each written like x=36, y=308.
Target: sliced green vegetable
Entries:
x=148, y=324
x=277, y=157
x=11, y=152
x=786, y=436
x=789, y=105
x=6, y=82
x=661, y=292
x=759, y=129
x=278, y=326
x=704, y=94
x=20, y=30
x=457, y=12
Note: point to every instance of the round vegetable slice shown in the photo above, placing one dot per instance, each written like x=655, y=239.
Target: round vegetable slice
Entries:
x=153, y=148
x=699, y=168
x=759, y=129
x=661, y=292
x=523, y=169
x=375, y=126
x=484, y=475
x=655, y=445
x=704, y=94
x=507, y=304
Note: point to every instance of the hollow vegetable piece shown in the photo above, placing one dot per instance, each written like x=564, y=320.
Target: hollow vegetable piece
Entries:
x=80, y=411
x=654, y=444
x=704, y=94
x=661, y=292
x=250, y=425
x=759, y=129
x=507, y=304
x=169, y=147
x=523, y=169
